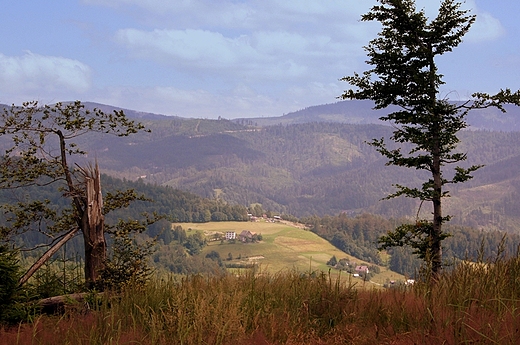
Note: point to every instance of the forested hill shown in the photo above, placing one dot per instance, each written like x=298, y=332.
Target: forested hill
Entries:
x=175, y=205
x=362, y=112
x=313, y=168
x=309, y=169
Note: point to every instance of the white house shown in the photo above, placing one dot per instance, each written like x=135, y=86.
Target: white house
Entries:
x=231, y=235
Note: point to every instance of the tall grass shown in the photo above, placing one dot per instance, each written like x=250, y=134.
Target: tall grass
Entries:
x=470, y=304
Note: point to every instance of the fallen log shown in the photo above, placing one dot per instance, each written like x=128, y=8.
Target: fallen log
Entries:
x=47, y=256
x=57, y=304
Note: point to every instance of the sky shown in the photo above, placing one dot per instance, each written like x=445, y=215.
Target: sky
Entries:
x=224, y=58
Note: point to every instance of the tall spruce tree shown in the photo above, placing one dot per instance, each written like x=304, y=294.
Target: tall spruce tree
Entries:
x=404, y=73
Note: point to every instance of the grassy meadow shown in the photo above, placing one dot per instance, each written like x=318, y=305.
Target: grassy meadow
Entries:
x=285, y=247
x=473, y=304
x=278, y=305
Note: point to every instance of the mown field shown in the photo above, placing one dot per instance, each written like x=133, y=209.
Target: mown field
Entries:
x=284, y=246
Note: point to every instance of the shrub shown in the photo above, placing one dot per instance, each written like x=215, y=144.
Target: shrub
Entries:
x=9, y=275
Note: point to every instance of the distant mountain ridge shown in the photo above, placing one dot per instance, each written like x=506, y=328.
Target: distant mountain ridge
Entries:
x=109, y=108
x=362, y=112
x=350, y=112
x=128, y=112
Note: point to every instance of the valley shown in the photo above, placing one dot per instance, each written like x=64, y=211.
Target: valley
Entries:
x=284, y=247
x=310, y=168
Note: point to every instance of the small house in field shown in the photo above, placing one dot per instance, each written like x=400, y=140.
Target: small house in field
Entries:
x=246, y=236
x=361, y=269
x=231, y=235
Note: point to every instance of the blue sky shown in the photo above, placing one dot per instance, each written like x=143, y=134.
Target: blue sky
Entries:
x=229, y=58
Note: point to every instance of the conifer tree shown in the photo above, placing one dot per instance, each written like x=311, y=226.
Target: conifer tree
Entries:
x=404, y=73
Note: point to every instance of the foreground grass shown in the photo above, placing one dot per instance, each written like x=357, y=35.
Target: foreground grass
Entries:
x=471, y=304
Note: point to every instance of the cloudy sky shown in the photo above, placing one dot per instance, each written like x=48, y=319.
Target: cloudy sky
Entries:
x=229, y=58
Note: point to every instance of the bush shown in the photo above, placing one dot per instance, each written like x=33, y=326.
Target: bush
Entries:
x=9, y=275
x=333, y=261
x=128, y=264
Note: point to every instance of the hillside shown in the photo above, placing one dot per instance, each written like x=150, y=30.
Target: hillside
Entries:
x=310, y=168
x=284, y=247
x=362, y=112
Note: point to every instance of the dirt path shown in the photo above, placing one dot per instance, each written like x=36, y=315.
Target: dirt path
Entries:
x=295, y=225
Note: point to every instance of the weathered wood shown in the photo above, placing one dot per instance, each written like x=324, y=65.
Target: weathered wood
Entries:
x=46, y=256
x=56, y=304
x=93, y=222
x=60, y=300
x=92, y=226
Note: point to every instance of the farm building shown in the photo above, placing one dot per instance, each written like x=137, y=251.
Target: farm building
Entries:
x=362, y=269
x=231, y=235
x=246, y=236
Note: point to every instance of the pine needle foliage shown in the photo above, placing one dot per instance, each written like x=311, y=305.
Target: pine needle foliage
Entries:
x=404, y=73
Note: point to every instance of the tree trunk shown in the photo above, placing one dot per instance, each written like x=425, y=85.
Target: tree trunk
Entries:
x=46, y=256
x=93, y=227
x=58, y=304
x=436, y=235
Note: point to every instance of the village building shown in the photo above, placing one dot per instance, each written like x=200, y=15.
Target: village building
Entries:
x=246, y=236
x=362, y=270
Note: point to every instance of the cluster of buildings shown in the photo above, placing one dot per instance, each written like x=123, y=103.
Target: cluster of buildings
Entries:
x=244, y=236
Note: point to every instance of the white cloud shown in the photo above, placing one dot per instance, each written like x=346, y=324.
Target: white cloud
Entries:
x=248, y=14
x=265, y=40
x=486, y=28
x=247, y=58
x=344, y=8
x=200, y=48
x=240, y=9
x=185, y=13
x=261, y=55
x=282, y=43
x=33, y=75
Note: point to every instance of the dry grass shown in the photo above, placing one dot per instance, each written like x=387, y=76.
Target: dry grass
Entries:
x=472, y=304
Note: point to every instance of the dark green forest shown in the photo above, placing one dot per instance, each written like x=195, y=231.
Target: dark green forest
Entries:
x=310, y=169
x=175, y=205
x=358, y=236
x=177, y=250
x=306, y=169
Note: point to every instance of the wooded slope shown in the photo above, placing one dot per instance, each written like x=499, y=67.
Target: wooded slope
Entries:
x=309, y=168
